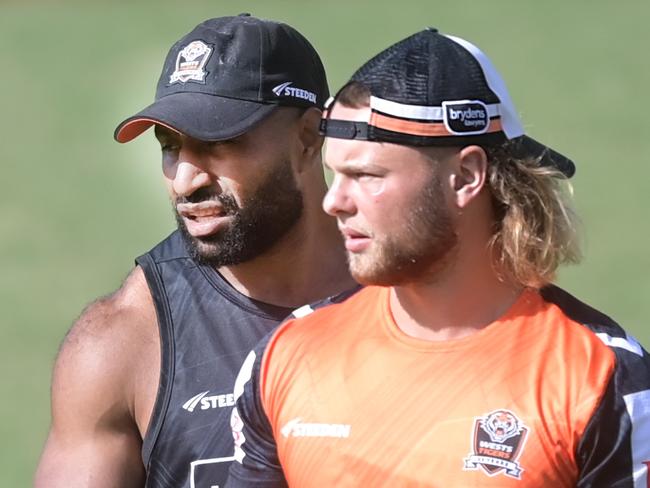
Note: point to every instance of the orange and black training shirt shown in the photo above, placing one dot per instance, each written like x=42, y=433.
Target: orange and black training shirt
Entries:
x=552, y=394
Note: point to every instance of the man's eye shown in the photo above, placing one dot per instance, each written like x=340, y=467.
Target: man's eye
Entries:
x=227, y=143
x=371, y=183
x=168, y=147
x=365, y=176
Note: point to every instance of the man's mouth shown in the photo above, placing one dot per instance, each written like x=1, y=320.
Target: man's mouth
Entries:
x=204, y=218
x=355, y=241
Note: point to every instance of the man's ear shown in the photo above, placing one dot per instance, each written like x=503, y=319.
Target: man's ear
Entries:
x=470, y=174
x=310, y=141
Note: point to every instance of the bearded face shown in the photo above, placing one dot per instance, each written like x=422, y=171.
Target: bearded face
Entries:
x=262, y=219
x=419, y=244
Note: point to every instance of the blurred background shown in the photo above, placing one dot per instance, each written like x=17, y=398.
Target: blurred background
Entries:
x=76, y=207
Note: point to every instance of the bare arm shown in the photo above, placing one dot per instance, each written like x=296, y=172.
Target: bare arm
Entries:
x=95, y=437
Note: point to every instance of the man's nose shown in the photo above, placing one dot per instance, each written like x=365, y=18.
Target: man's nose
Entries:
x=189, y=177
x=337, y=200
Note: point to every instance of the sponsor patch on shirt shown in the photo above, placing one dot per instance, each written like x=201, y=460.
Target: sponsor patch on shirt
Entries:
x=497, y=443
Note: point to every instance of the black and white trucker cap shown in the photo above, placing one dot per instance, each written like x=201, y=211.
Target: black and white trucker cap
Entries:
x=228, y=74
x=432, y=89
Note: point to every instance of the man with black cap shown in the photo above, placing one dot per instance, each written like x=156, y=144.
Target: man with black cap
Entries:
x=147, y=373
x=460, y=364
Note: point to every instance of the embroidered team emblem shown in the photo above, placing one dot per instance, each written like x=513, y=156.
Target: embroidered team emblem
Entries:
x=497, y=443
x=190, y=63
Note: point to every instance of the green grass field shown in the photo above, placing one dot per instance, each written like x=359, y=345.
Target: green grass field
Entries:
x=76, y=207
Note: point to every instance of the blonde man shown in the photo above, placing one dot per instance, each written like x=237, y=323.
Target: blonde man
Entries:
x=460, y=364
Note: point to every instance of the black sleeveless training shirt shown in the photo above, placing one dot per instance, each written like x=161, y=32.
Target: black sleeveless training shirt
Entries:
x=206, y=330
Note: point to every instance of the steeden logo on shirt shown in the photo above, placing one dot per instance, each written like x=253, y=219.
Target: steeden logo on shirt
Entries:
x=207, y=402
x=297, y=428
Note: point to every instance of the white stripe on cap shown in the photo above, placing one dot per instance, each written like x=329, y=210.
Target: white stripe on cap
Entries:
x=509, y=119
x=418, y=112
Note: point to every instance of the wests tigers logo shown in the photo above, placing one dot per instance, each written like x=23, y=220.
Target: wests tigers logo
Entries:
x=497, y=443
x=501, y=425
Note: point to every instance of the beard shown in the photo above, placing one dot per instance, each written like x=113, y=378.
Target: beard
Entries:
x=261, y=221
x=419, y=249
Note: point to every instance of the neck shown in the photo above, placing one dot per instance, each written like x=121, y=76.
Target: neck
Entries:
x=462, y=299
x=306, y=265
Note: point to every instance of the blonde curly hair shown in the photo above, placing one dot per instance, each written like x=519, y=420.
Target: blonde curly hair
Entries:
x=536, y=228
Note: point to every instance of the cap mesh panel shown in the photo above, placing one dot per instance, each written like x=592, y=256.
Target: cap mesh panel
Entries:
x=425, y=69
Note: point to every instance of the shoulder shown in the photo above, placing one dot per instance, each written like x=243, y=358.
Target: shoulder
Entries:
x=335, y=299
x=96, y=431
x=606, y=340
x=318, y=318
x=601, y=328
x=113, y=338
x=317, y=336
x=613, y=449
x=115, y=318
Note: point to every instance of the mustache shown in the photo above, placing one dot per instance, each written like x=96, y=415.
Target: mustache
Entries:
x=226, y=201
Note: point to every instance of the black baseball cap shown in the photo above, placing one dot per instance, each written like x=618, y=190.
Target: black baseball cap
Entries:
x=228, y=74
x=432, y=89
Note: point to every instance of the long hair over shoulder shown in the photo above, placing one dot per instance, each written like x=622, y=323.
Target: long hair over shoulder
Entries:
x=536, y=228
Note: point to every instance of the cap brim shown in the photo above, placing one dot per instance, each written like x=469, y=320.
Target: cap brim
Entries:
x=198, y=115
x=525, y=146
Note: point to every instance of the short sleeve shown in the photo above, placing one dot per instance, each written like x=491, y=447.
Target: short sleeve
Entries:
x=256, y=459
x=614, y=450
